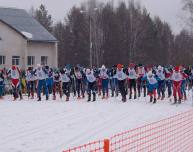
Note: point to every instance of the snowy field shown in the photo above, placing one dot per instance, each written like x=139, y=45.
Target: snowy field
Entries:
x=30, y=126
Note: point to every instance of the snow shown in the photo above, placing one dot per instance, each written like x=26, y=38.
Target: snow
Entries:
x=27, y=34
x=49, y=126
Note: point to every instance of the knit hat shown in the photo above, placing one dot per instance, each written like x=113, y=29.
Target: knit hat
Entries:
x=177, y=68
x=119, y=66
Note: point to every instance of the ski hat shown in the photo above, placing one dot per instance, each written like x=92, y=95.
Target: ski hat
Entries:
x=177, y=68
x=13, y=67
x=119, y=66
x=132, y=65
x=160, y=68
x=103, y=67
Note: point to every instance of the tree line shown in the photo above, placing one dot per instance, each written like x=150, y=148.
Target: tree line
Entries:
x=122, y=34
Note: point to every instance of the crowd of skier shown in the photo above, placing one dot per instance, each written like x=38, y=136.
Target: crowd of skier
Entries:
x=133, y=81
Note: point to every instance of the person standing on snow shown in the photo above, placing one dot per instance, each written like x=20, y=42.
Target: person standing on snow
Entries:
x=105, y=81
x=132, y=76
x=92, y=88
x=121, y=78
x=66, y=82
x=168, y=81
x=152, y=85
x=114, y=81
x=41, y=81
x=1, y=84
x=79, y=82
x=15, y=80
x=141, y=84
x=161, y=82
x=57, y=84
x=184, y=84
x=30, y=78
x=49, y=79
x=177, y=81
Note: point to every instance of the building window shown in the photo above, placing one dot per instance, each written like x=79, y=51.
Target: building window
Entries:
x=30, y=60
x=44, y=60
x=15, y=60
x=2, y=60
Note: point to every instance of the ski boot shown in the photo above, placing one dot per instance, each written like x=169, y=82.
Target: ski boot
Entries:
x=39, y=99
x=154, y=101
x=94, y=97
x=151, y=99
x=47, y=98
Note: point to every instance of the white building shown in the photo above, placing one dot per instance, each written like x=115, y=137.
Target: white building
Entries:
x=24, y=41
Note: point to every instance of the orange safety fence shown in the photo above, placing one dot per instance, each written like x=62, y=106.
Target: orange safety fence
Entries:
x=174, y=134
x=97, y=146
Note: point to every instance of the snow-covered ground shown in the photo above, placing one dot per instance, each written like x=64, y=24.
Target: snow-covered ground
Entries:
x=30, y=126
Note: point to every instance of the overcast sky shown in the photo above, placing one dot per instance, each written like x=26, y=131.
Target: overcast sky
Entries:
x=168, y=10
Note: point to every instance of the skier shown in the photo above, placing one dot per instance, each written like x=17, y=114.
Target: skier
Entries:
x=141, y=84
x=15, y=79
x=113, y=81
x=1, y=84
x=57, y=84
x=41, y=81
x=152, y=85
x=184, y=84
x=79, y=82
x=91, y=84
x=168, y=74
x=49, y=79
x=105, y=81
x=66, y=82
x=177, y=81
x=121, y=78
x=132, y=76
x=161, y=82
x=30, y=78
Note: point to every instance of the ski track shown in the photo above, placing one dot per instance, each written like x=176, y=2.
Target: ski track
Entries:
x=56, y=125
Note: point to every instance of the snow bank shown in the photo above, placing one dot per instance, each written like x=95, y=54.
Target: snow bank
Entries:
x=27, y=34
x=56, y=125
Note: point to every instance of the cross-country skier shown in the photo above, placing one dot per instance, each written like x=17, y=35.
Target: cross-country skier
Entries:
x=91, y=84
x=30, y=78
x=177, y=81
x=1, y=84
x=152, y=85
x=79, y=82
x=121, y=78
x=161, y=82
x=41, y=81
x=105, y=81
x=57, y=86
x=132, y=76
x=15, y=79
x=66, y=82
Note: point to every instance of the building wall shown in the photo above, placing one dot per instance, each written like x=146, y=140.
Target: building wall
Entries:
x=39, y=49
x=12, y=44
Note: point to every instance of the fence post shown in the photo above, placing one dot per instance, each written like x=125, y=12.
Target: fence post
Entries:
x=106, y=145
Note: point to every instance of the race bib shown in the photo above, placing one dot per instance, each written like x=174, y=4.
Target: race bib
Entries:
x=120, y=75
x=176, y=77
x=152, y=80
x=40, y=74
x=131, y=73
x=14, y=73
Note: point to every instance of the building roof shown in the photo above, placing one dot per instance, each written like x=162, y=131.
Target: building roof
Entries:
x=24, y=24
